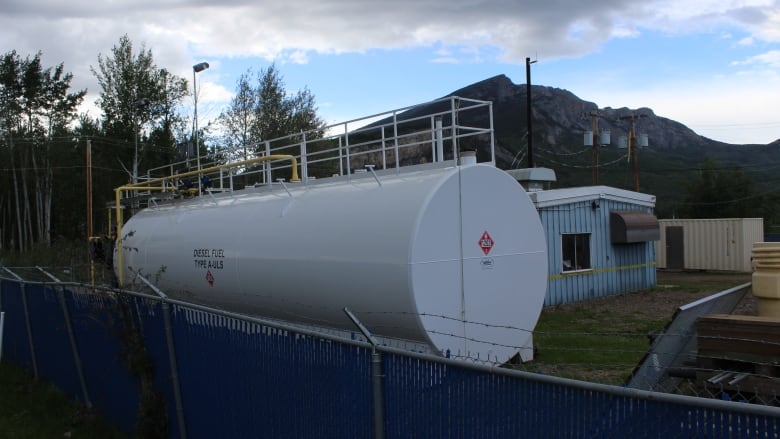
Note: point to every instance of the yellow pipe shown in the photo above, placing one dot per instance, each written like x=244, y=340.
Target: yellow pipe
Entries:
x=119, y=258
x=145, y=185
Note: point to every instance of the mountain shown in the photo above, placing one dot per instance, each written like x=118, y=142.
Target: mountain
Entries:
x=560, y=118
x=559, y=114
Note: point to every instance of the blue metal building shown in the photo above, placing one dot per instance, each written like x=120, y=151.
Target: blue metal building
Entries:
x=600, y=241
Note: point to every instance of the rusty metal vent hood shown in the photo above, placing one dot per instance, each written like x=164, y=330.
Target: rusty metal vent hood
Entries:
x=631, y=226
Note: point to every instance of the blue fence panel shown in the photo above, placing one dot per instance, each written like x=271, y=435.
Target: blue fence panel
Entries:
x=429, y=399
x=16, y=345
x=113, y=391
x=153, y=324
x=53, y=351
x=627, y=416
x=426, y=399
x=241, y=379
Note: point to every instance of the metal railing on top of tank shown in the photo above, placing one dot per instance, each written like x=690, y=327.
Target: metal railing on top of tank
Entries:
x=424, y=133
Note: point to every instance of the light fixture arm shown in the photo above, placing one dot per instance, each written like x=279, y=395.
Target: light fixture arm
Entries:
x=197, y=68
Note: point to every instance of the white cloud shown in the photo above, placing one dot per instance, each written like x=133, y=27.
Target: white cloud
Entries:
x=768, y=60
x=446, y=60
x=182, y=32
x=298, y=57
x=76, y=33
x=759, y=18
x=731, y=108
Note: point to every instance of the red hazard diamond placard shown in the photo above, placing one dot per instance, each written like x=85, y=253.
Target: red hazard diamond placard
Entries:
x=210, y=278
x=486, y=242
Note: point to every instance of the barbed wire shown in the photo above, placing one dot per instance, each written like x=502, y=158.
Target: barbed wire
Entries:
x=542, y=347
x=46, y=168
x=444, y=317
x=702, y=367
x=283, y=305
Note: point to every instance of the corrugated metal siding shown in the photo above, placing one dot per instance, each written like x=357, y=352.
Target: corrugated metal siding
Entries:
x=752, y=232
x=715, y=244
x=615, y=268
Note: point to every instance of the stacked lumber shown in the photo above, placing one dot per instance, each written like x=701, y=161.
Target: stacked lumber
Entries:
x=739, y=354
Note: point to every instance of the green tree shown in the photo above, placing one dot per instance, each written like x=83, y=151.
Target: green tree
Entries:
x=36, y=108
x=714, y=192
x=136, y=97
x=266, y=111
x=237, y=120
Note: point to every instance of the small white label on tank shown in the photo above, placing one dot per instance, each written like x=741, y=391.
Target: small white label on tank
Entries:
x=487, y=263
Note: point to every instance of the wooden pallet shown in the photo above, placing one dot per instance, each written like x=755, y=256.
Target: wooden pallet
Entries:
x=739, y=354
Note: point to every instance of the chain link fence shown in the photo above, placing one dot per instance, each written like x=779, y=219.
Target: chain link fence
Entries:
x=212, y=373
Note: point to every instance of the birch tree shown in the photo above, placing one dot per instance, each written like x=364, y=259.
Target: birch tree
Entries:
x=264, y=111
x=34, y=104
x=137, y=96
x=10, y=112
x=237, y=120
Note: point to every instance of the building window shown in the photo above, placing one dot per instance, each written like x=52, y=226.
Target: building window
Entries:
x=575, y=251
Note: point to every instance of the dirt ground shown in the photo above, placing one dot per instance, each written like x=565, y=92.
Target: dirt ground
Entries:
x=674, y=289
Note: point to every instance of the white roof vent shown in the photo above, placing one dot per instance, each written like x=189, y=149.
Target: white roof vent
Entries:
x=533, y=179
x=468, y=158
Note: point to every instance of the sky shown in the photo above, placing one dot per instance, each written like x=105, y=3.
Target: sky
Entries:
x=713, y=65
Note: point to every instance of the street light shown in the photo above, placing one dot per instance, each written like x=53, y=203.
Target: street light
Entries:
x=529, y=115
x=197, y=68
x=137, y=106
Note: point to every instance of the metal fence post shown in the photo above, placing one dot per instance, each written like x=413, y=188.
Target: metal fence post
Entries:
x=28, y=325
x=166, y=309
x=30, y=339
x=2, y=319
x=74, y=348
x=174, y=369
x=2, y=323
x=376, y=378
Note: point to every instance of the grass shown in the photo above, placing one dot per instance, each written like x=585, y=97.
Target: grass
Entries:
x=603, y=340
x=60, y=253
x=66, y=259
x=593, y=345
x=35, y=409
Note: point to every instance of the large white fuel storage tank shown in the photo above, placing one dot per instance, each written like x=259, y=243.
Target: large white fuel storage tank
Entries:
x=453, y=257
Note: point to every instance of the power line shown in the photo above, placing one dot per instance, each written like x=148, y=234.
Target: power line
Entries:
x=43, y=168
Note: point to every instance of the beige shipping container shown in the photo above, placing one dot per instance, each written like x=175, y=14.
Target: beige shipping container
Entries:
x=708, y=244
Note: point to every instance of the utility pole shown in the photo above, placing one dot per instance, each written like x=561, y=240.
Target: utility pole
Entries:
x=596, y=144
x=90, y=244
x=633, y=151
x=528, y=63
x=596, y=139
x=89, y=188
